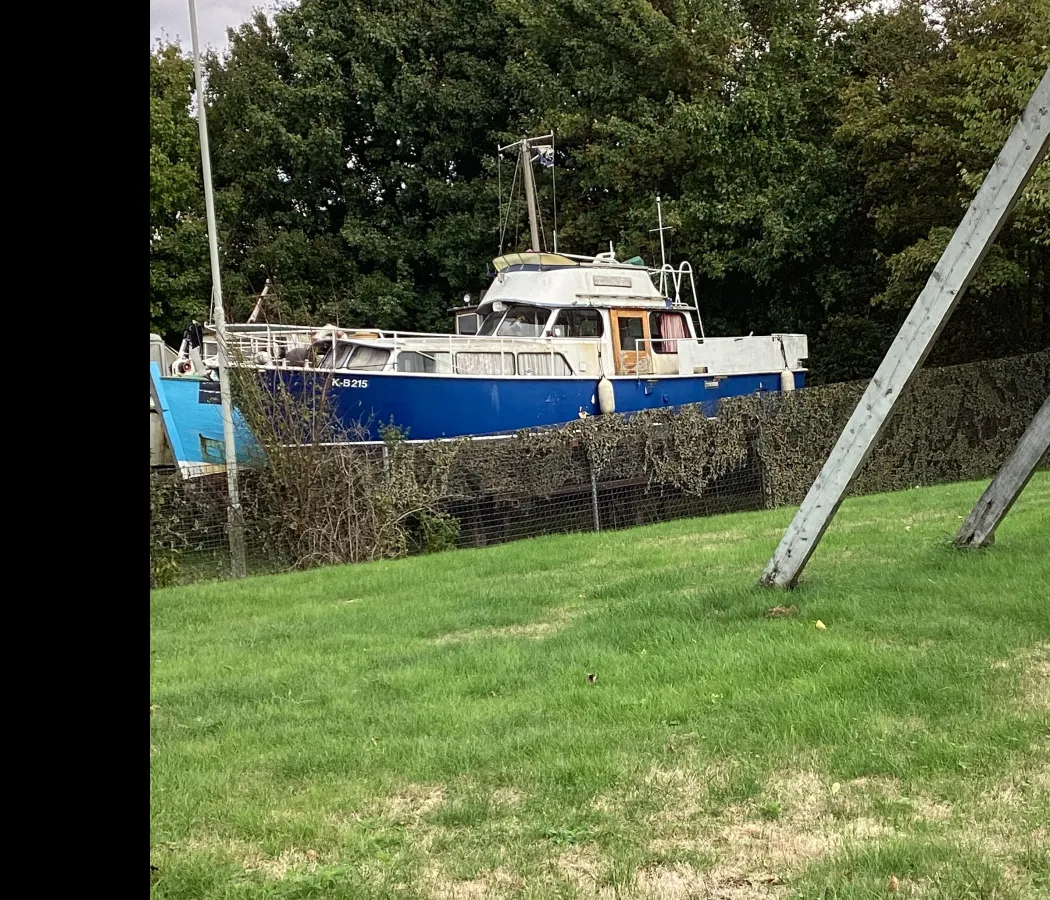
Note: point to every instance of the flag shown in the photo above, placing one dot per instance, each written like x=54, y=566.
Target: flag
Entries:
x=546, y=156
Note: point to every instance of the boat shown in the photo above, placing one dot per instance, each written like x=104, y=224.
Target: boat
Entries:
x=185, y=406
x=555, y=337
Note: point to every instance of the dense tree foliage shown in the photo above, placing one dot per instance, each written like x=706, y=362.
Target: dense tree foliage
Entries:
x=813, y=156
x=179, y=280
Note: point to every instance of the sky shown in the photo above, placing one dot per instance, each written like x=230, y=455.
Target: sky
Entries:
x=170, y=19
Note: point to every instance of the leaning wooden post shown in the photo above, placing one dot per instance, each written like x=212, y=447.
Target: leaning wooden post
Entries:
x=979, y=528
x=1018, y=159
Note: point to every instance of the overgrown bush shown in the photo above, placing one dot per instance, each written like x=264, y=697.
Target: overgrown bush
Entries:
x=321, y=498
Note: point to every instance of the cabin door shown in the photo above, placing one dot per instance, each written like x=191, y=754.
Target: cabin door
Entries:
x=630, y=333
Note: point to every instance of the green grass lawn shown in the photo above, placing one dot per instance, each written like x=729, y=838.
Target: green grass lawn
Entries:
x=426, y=727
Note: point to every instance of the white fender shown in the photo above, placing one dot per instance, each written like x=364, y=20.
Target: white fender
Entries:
x=606, y=396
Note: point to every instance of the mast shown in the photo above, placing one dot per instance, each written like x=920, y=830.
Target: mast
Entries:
x=530, y=194
x=525, y=147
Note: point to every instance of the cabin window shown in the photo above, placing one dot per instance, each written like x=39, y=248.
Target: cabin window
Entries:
x=491, y=323
x=350, y=356
x=578, y=323
x=665, y=328
x=518, y=321
x=485, y=363
x=467, y=323
x=367, y=358
x=523, y=321
x=632, y=333
x=336, y=358
x=543, y=364
x=411, y=361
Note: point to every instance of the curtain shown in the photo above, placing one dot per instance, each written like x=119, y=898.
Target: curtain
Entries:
x=672, y=325
x=485, y=363
x=543, y=364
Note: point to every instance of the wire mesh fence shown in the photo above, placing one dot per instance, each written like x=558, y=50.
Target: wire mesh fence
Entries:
x=589, y=502
x=189, y=512
x=365, y=501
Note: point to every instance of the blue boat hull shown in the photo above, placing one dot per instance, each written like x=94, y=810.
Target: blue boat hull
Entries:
x=428, y=407
x=192, y=416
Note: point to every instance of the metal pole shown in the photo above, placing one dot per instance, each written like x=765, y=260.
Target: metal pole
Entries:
x=594, y=494
x=530, y=195
x=660, y=222
x=234, y=514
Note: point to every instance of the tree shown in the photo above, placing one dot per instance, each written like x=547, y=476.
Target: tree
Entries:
x=180, y=282
x=813, y=157
x=354, y=154
x=728, y=112
x=938, y=89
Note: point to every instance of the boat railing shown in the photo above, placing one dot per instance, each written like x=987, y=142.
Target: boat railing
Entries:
x=453, y=344
x=245, y=346
x=673, y=281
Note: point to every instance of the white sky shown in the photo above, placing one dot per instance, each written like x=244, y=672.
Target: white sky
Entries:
x=170, y=19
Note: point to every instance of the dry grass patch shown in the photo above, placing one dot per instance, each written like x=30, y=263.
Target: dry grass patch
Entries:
x=558, y=620
x=291, y=860
x=508, y=798
x=729, y=535
x=799, y=818
x=584, y=867
x=1035, y=678
x=682, y=882
x=498, y=883
x=414, y=802
x=1032, y=668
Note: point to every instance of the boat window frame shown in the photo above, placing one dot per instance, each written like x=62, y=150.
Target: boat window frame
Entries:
x=656, y=335
x=511, y=306
x=576, y=311
x=545, y=353
x=342, y=354
x=441, y=361
x=507, y=355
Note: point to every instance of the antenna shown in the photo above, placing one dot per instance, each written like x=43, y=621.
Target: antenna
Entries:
x=661, y=229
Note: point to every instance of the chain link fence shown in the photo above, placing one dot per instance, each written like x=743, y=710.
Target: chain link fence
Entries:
x=368, y=501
